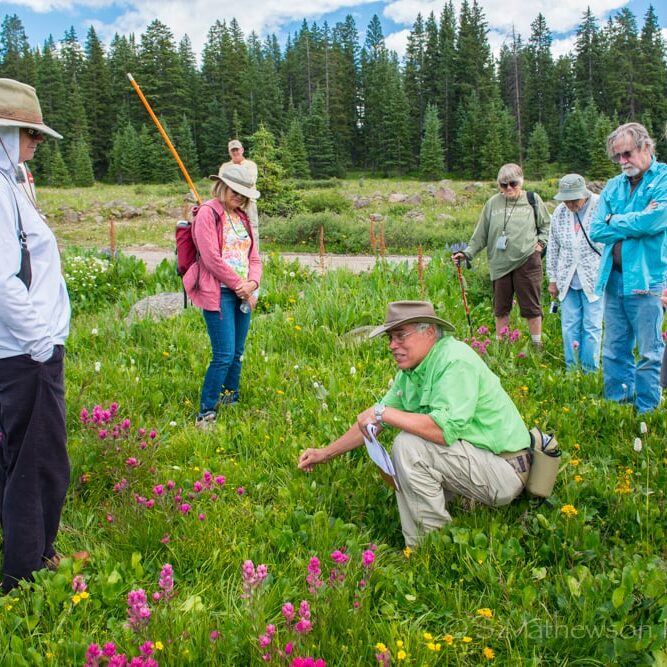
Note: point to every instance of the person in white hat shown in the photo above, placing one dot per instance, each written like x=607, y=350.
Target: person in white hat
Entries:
x=573, y=261
x=459, y=432
x=236, y=153
x=222, y=282
x=34, y=324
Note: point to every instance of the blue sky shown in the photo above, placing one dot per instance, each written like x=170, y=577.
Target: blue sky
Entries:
x=42, y=18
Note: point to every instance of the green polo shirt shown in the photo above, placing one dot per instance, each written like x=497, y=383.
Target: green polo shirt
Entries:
x=465, y=399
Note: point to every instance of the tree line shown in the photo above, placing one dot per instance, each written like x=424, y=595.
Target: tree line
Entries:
x=329, y=103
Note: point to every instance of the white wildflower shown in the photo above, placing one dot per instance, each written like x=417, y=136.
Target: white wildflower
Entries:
x=637, y=445
x=353, y=370
x=642, y=427
x=98, y=366
x=93, y=331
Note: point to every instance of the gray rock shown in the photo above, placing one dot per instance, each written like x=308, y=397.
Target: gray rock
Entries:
x=415, y=215
x=444, y=217
x=397, y=198
x=156, y=307
x=445, y=195
x=376, y=217
x=361, y=202
x=415, y=200
x=70, y=216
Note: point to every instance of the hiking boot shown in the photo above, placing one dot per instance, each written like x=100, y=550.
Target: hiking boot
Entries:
x=206, y=420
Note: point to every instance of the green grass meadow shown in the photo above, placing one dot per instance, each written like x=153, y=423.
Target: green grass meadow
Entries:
x=578, y=580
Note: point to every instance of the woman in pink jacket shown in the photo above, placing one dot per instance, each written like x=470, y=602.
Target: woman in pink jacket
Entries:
x=222, y=282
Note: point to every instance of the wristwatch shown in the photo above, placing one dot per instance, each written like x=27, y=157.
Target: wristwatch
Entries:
x=379, y=409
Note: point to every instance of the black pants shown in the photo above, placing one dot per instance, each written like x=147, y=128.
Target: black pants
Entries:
x=34, y=467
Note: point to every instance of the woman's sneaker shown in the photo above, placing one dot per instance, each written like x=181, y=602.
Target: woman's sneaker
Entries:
x=206, y=421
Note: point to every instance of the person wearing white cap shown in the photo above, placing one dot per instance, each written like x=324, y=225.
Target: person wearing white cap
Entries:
x=222, y=282
x=573, y=261
x=34, y=324
x=236, y=153
x=459, y=431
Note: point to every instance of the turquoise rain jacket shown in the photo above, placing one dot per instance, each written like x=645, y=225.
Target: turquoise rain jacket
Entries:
x=644, y=233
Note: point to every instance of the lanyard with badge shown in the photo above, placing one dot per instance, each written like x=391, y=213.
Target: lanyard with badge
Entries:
x=501, y=241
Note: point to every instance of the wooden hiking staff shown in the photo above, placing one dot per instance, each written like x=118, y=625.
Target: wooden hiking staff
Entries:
x=167, y=141
x=464, y=295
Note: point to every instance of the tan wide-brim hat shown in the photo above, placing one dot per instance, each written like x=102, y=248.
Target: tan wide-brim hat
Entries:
x=406, y=312
x=19, y=107
x=238, y=179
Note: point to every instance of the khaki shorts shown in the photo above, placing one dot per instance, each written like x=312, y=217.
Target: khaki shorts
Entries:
x=526, y=283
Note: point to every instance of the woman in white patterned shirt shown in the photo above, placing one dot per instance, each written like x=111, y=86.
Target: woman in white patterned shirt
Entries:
x=572, y=267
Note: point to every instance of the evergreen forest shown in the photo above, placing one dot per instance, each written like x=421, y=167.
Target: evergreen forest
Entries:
x=328, y=100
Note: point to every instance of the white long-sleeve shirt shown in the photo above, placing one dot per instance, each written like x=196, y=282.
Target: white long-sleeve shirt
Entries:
x=31, y=321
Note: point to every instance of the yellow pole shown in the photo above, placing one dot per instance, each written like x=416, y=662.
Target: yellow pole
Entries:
x=167, y=141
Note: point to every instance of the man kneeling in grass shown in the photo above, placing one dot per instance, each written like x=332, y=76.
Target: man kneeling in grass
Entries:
x=460, y=433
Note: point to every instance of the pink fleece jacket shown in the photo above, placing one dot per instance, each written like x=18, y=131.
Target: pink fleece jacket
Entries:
x=203, y=279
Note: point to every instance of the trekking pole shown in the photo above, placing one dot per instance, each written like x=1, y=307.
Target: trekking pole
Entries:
x=167, y=141
x=463, y=294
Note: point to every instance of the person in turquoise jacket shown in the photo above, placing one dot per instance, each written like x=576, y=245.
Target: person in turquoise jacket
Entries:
x=631, y=221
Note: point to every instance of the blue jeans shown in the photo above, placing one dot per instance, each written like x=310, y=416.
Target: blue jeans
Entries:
x=227, y=330
x=581, y=323
x=628, y=320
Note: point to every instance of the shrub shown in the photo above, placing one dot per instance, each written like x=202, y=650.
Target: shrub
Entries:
x=332, y=201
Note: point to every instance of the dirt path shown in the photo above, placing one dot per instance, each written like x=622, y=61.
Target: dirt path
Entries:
x=356, y=263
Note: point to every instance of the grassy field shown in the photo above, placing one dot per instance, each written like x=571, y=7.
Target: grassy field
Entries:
x=272, y=566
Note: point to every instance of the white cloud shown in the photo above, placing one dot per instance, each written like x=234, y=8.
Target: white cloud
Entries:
x=561, y=47
x=398, y=41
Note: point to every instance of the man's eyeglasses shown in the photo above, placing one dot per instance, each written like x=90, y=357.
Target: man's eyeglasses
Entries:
x=33, y=133
x=399, y=336
x=626, y=155
x=509, y=184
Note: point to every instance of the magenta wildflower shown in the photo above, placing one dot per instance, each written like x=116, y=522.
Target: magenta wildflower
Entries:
x=304, y=609
x=264, y=641
x=138, y=611
x=521, y=355
x=152, y=435
x=102, y=433
x=483, y=331
x=289, y=647
x=165, y=538
x=288, y=611
x=125, y=424
x=198, y=487
x=270, y=629
x=240, y=491
x=109, y=518
x=252, y=578
x=515, y=335
x=367, y=558
x=304, y=626
x=79, y=584
x=202, y=516
x=147, y=649
x=166, y=581
x=132, y=462
x=158, y=489
x=220, y=480
x=120, y=486
x=207, y=478
x=94, y=653
x=184, y=508
x=339, y=557
x=84, y=415
x=109, y=649
x=170, y=484
x=214, y=635
x=575, y=344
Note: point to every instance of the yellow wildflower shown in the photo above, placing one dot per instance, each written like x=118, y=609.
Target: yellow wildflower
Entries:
x=569, y=511
x=448, y=639
x=575, y=462
x=485, y=612
x=280, y=392
x=49, y=654
x=488, y=653
x=523, y=388
x=158, y=646
x=84, y=595
x=577, y=445
x=297, y=327
x=407, y=552
x=380, y=647
x=431, y=646
x=578, y=478
x=399, y=643
x=427, y=636
x=76, y=599
x=466, y=639
x=401, y=655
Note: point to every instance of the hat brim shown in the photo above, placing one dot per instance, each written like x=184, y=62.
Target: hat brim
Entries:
x=40, y=127
x=559, y=197
x=383, y=328
x=250, y=193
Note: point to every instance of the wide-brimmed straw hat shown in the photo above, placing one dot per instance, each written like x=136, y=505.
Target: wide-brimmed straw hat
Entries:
x=406, y=312
x=238, y=179
x=19, y=107
x=572, y=187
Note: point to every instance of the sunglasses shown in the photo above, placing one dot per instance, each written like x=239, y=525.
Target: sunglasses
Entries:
x=509, y=184
x=626, y=155
x=33, y=133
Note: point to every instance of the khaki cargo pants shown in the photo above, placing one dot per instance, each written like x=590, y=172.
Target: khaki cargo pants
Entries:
x=430, y=475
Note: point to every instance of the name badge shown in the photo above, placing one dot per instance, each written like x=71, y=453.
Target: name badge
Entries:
x=501, y=243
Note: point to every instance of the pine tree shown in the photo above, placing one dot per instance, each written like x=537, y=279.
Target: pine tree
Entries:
x=414, y=79
x=59, y=174
x=588, y=60
x=624, y=62
x=431, y=161
x=95, y=88
x=185, y=146
x=499, y=139
x=122, y=59
x=294, y=157
x=448, y=88
x=71, y=56
x=575, y=132
x=16, y=60
x=652, y=79
x=319, y=142
x=601, y=166
x=124, y=158
x=470, y=136
x=215, y=130
x=81, y=165
x=538, y=152
x=279, y=197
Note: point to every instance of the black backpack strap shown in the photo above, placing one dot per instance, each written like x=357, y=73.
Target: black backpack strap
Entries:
x=530, y=195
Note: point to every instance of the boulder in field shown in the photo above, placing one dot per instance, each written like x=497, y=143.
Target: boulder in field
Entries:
x=397, y=198
x=156, y=307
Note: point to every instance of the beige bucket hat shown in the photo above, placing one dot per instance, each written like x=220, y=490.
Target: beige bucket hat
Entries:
x=406, y=312
x=238, y=179
x=19, y=107
x=572, y=187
